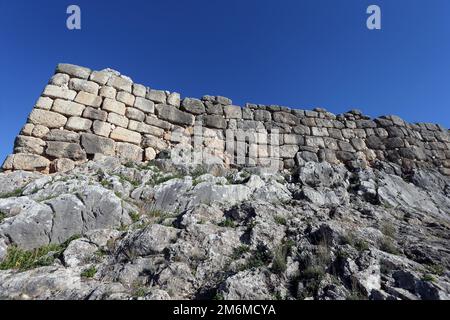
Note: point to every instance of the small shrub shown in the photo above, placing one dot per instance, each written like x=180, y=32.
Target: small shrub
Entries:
x=428, y=277
x=388, y=229
x=239, y=251
x=15, y=193
x=198, y=171
x=139, y=292
x=228, y=223
x=280, y=220
x=387, y=245
x=437, y=269
x=89, y=272
x=134, y=216
x=2, y=216
x=280, y=256
x=260, y=257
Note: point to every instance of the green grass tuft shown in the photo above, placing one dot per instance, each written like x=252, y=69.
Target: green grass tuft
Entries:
x=89, y=272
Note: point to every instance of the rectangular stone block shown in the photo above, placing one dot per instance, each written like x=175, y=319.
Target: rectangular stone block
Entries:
x=84, y=85
x=152, y=120
x=73, y=70
x=108, y=92
x=174, y=115
x=95, y=114
x=125, y=135
x=114, y=106
x=58, y=92
x=102, y=128
x=144, y=105
x=100, y=77
x=46, y=118
x=288, y=151
x=145, y=128
x=88, y=99
x=58, y=149
x=78, y=124
x=25, y=144
x=232, y=112
x=158, y=96
x=154, y=142
x=118, y=120
x=293, y=139
x=68, y=108
x=62, y=135
x=129, y=152
x=126, y=98
x=139, y=90
x=120, y=83
x=28, y=162
x=44, y=103
x=93, y=144
x=135, y=114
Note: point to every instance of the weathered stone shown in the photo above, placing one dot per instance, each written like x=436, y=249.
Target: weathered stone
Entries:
x=28, y=162
x=126, y=98
x=44, y=103
x=154, y=121
x=94, y=144
x=135, y=114
x=108, y=92
x=262, y=115
x=293, y=139
x=40, y=131
x=83, y=85
x=125, y=135
x=78, y=124
x=58, y=149
x=232, y=112
x=101, y=77
x=358, y=144
x=194, y=106
x=139, y=90
x=346, y=146
x=27, y=129
x=150, y=154
x=215, y=121
x=120, y=83
x=24, y=144
x=174, y=99
x=73, y=70
x=285, y=117
x=145, y=128
x=67, y=108
x=157, y=96
x=213, y=108
x=60, y=80
x=144, y=105
x=306, y=156
x=62, y=165
x=59, y=92
x=102, y=128
x=48, y=119
x=365, y=124
x=114, y=106
x=95, y=114
x=288, y=151
x=392, y=143
x=63, y=136
x=118, y=120
x=247, y=114
x=154, y=142
x=319, y=132
x=301, y=129
x=126, y=151
x=174, y=115
x=88, y=99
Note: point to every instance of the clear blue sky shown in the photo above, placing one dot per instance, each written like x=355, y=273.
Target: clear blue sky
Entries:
x=300, y=53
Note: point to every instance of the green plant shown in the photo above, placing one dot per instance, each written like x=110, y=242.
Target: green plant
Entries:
x=139, y=292
x=134, y=216
x=280, y=220
x=218, y=296
x=89, y=272
x=2, y=216
x=124, y=179
x=239, y=251
x=428, y=277
x=228, y=223
x=388, y=229
x=198, y=171
x=14, y=193
x=280, y=256
x=387, y=245
x=437, y=269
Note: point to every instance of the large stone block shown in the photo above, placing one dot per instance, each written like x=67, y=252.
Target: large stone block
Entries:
x=139, y=90
x=108, y=92
x=174, y=99
x=172, y=114
x=73, y=70
x=114, y=106
x=101, y=77
x=93, y=144
x=24, y=144
x=158, y=96
x=262, y=115
x=145, y=128
x=125, y=135
x=232, y=112
x=78, y=124
x=288, y=151
x=118, y=120
x=135, y=114
x=88, y=99
x=144, y=105
x=63, y=136
x=60, y=80
x=68, y=108
x=285, y=117
x=58, y=149
x=129, y=152
x=120, y=83
x=154, y=121
x=194, y=106
x=293, y=139
x=126, y=98
x=44, y=103
x=62, y=165
x=102, y=128
x=48, y=119
x=28, y=162
x=54, y=92
x=84, y=85
x=215, y=121
x=154, y=142
x=95, y=114
x=40, y=131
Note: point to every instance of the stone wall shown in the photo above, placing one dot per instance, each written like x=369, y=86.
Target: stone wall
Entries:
x=82, y=114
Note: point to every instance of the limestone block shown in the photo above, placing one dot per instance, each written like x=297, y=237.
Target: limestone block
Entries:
x=145, y=128
x=73, y=70
x=62, y=135
x=44, y=103
x=28, y=162
x=358, y=144
x=301, y=129
x=346, y=146
x=154, y=142
x=139, y=90
x=192, y=105
x=57, y=149
x=27, y=129
x=68, y=108
x=154, y=121
x=293, y=139
x=100, y=77
x=247, y=114
x=78, y=124
x=213, y=108
x=319, y=132
x=232, y=112
x=25, y=144
x=172, y=114
x=262, y=115
x=95, y=114
x=54, y=92
x=174, y=99
x=62, y=165
x=40, y=131
x=315, y=142
x=48, y=119
x=158, y=96
x=60, y=80
x=224, y=100
x=288, y=151
x=120, y=83
x=126, y=98
x=125, y=135
x=102, y=128
x=93, y=144
x=114, y=106
x=108, y=92
x=215, y=121
x=135, y=114
x=88, y=99
x=285, y=117
x=126, y=151
x=118, y=120
x=84, y=85
x=150, y=154
x=144, y=105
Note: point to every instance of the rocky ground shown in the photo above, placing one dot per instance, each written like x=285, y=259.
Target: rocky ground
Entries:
x=107, y=230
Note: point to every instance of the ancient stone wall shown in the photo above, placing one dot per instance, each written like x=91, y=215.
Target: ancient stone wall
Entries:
x=82, y=114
